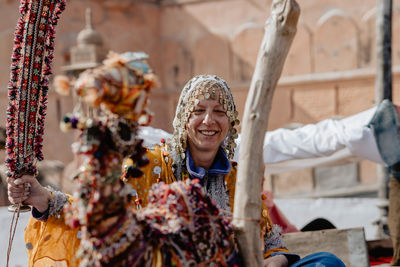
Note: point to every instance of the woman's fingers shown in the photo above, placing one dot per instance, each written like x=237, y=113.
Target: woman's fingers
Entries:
x=24, y=188
x=15, y=182
x=15, y=188
x=16, y=200
x=21, y=180
x=18, y=194
x=20, y=187
x=19, y=183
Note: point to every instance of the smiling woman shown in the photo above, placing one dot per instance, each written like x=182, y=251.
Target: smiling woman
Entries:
x=207, y=128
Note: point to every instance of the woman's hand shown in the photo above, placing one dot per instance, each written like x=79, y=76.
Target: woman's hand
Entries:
x=276, y=261
x=28, y=190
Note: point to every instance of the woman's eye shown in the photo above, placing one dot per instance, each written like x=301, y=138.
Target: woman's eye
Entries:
x=220, y=111
x=198, y=111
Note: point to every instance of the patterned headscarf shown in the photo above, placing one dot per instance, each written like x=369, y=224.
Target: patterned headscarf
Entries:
x=198, y=88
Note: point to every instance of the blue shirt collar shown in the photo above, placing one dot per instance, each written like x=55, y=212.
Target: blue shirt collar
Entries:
x=221, y=165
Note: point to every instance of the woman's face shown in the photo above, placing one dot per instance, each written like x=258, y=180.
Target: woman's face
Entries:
x=207, y=126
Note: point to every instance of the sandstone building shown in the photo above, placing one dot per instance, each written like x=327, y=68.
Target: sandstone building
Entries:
x=329, y=72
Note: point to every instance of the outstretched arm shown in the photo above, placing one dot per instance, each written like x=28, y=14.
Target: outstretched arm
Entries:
x=324, y=139
x=371, y=135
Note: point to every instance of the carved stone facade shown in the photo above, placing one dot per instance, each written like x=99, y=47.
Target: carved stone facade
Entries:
x=329, y=70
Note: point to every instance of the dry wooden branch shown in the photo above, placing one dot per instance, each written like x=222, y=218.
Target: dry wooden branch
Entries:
x=279, y=34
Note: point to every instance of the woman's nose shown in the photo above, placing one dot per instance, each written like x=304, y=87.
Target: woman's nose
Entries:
x=208, y=118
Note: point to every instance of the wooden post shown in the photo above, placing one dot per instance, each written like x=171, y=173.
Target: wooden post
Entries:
x=279, y=34
x=383, y=81
x=383, y=90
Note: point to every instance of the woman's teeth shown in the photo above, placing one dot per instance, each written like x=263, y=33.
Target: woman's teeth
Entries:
x=209, y=133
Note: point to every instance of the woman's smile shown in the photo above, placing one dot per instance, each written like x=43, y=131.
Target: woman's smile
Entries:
x=208, y=132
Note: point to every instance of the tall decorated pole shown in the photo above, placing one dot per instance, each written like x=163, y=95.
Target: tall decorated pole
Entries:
x=279, y=34
x=27, y=90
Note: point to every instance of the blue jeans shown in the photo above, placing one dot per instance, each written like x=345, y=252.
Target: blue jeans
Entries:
x=319, y=259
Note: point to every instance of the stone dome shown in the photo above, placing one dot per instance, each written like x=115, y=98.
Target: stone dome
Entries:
x=89, y=35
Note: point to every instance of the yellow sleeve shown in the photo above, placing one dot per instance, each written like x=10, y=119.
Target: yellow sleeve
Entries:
x=159, y=169
x=230, y=180
x=51, y=243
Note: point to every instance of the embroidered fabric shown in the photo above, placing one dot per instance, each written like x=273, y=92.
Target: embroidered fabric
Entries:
x=213, y=180
x=273, y=239
x=216, y=190
x=56, y=202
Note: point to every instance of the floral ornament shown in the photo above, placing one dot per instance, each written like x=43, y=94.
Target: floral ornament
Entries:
x=199, y=88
